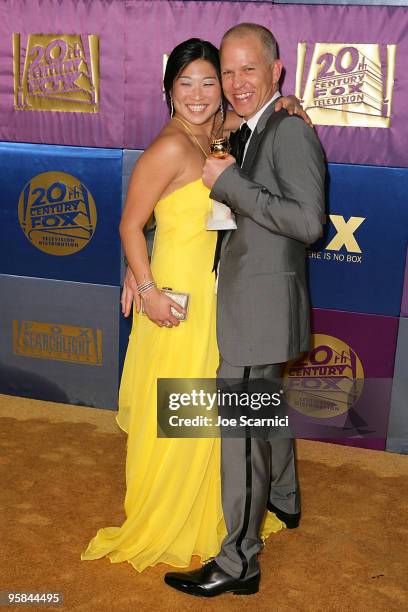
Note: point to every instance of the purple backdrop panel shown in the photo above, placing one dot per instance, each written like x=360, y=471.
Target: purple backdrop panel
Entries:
x=404, y=305
x=357, y=100
x=345, y=379
x=372, y=337
x=397, y=439
x=61, y=72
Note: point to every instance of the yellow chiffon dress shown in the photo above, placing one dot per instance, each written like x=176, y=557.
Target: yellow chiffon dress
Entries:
x=173, y=497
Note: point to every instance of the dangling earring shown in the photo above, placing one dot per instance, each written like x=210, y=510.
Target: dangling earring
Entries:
x=171, y=106
x=222, y=112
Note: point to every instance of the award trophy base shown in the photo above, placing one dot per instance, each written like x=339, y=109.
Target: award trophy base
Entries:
x=221, y=224
x=221, y=217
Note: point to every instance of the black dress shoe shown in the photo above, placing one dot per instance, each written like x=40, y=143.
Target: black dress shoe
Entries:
x=210, y=580
x=291, y=520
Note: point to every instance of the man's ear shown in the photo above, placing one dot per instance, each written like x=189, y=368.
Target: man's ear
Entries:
x=277, y=67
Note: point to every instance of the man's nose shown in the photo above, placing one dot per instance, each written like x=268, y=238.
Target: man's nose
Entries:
x=237, y=81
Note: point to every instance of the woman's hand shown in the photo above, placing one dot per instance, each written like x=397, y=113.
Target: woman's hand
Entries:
x=157, y=306
x=129, y=293
x=218, y=127
x=293, y=106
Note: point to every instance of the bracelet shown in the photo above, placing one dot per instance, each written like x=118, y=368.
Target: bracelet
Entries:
x=145, y=286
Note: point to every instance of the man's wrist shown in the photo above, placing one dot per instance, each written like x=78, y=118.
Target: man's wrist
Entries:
x=220, y=187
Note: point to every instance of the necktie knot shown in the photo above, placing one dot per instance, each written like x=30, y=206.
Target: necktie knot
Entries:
x=243, y=136
x=244, y=132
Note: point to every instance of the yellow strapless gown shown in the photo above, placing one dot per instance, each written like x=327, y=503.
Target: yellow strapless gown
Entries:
x=173, y=497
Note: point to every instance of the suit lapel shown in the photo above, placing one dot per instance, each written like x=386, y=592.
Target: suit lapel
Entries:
x=252, y=148
x=251, y=151
x=257, y=135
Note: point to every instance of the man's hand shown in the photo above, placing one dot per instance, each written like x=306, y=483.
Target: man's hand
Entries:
x=293, y=106
x=213, y=167
x=129, y=293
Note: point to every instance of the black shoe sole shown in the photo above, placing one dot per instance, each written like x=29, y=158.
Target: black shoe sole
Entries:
x=251, y=590
x=207, y=595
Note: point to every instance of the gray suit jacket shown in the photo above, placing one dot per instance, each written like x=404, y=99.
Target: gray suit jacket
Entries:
x=278, y=195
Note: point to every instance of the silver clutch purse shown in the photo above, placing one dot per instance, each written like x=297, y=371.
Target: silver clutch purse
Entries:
x=182, y=299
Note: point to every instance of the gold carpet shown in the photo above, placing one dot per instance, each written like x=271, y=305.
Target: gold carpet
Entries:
x=63, y=478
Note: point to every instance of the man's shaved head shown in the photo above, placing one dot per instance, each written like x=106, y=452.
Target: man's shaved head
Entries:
x=264, y=35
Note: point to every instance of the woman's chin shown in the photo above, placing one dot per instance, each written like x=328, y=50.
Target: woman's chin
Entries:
x=198, y=118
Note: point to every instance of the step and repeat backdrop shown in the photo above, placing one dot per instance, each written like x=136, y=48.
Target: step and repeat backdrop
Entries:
x=81, y=96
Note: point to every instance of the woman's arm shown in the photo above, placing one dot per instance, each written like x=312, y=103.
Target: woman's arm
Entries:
x=293, y=106
x=155, y=170
x=290, y=103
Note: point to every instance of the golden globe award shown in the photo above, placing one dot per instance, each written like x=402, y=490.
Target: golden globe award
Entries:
x=220, y=148
x=220, y=216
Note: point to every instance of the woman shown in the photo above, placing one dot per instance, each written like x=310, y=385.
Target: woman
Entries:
x=173, y=499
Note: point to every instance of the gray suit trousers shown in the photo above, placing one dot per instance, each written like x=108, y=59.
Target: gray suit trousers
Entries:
x=253, y=471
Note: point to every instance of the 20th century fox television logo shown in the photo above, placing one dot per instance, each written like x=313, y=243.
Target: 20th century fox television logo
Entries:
x=346, y=84
x=57, y=213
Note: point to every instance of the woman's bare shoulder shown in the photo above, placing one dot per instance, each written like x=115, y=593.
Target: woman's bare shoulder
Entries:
x=169, y=142
x=168, y=150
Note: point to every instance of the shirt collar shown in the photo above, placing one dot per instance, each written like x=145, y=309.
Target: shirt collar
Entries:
x=252, y=122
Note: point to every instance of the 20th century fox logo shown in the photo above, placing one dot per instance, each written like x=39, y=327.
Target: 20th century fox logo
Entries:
x=344, y=239
x=326, y=381
x=56, y=72
x=347, y=84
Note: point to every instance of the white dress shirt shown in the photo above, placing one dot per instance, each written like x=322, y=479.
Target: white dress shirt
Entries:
x=252, y=122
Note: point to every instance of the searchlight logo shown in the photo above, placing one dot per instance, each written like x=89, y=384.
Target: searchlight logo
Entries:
x=346, y=84
x=56, y=72
x=326, y=381
x=57, y=213
x=55, y=341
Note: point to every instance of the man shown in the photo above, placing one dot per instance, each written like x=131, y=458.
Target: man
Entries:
x=263, y=311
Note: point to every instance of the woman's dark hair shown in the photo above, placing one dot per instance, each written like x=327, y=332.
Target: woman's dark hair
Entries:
x=185, y=53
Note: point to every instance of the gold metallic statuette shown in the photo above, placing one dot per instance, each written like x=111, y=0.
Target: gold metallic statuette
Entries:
x=220, y=148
